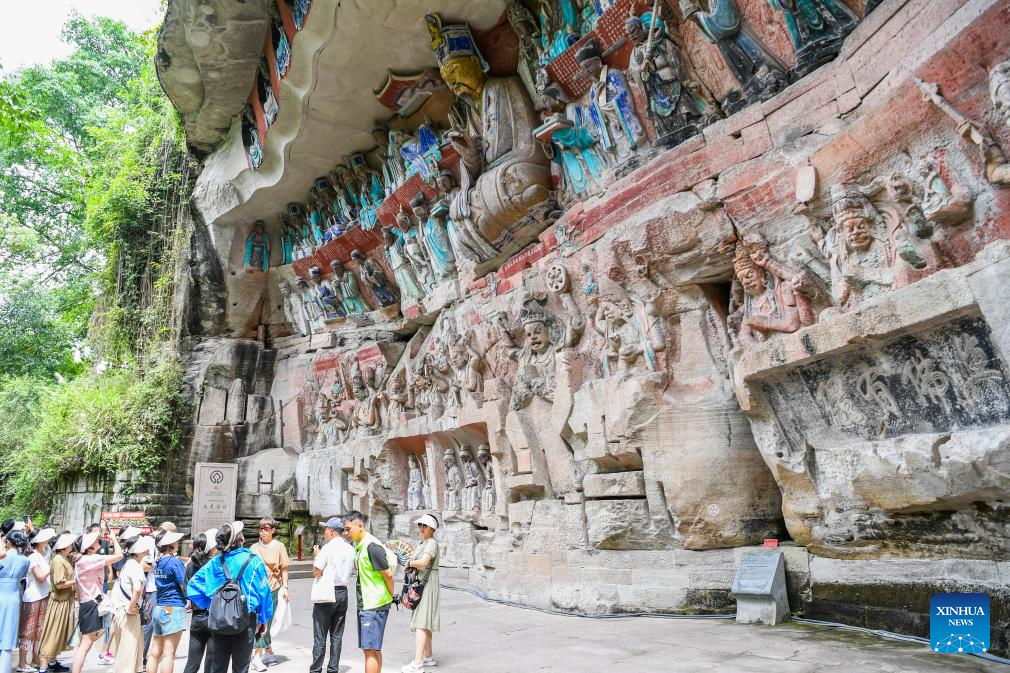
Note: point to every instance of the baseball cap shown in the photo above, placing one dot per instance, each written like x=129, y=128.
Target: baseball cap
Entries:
x=334, y=523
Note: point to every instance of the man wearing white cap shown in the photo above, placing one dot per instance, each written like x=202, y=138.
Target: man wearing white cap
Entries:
x=332, y=567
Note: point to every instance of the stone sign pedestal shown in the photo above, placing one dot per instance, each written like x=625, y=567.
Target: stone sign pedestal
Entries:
x=760, y=589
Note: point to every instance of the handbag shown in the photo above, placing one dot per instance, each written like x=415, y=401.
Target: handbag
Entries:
x=413, y=589
x=282, y=618
x=323, y=590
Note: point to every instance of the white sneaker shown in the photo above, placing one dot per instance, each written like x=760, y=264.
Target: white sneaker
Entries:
x=257, y=664
x=430, y=661
x=269, y=659
x=412, y=668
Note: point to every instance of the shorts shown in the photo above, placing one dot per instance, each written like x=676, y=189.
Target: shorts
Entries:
x=169, y=620
x=371, y=628
x=88, y=619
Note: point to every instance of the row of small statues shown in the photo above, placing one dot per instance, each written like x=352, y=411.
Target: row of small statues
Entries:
x=469, y=482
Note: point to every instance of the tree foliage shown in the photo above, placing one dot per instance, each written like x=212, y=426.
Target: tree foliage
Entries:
x=93, y=177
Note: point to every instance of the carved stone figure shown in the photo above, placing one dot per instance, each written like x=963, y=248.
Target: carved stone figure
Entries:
x=868, y=250
x=351, y=293
x=251, y=137
x=658, y=71
x=365, y=389
x=294, y=309
x=314, y=216
x=370, y=192
x=611, y=108
x=453, y=483
x=289, y=240
x=265, y=92
x=997, y=169
x=257, y=248
x=282, y=48
x=581, y=157
x=471, y=480
x=760, y=75
x=414, y=250
x=487, y=497
x=415, y=485
x=396, y=257
x=465, y=239
x=494, y=131
x=328, y=296
x=524, y=25
x=768, y=304
x=632, y=334
x=374, y=279
x=313, y=309
x=435, y=238
x=816, y=29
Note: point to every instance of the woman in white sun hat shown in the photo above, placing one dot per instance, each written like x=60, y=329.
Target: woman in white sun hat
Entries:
x=126, y=597
x=60, y=619
x=89, y=571
x=34, y=601
x=170, y=613
x=425, y=619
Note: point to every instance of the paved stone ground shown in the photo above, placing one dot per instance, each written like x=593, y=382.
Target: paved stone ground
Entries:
x=479, y=637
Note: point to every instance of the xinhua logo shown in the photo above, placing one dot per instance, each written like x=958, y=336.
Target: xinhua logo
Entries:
x=959, y=623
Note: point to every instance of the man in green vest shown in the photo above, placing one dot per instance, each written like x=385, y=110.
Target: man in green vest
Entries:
x=375, y=589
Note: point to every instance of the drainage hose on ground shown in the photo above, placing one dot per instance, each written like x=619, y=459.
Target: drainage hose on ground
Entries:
x=889, y=635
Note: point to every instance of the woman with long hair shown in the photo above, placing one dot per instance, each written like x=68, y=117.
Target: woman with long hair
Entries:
x=13, y=569
x=89, y=571
x=60, y=619
x=426, y=617
x=248, y=570
x=126, y=598
x=204, y=549
x=170, y=613
x=34, y=601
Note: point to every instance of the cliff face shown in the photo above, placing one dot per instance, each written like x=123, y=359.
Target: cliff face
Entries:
x=760, y=298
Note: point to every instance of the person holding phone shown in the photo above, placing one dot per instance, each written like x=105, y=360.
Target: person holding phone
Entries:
x=60, y=617
x=89, y=571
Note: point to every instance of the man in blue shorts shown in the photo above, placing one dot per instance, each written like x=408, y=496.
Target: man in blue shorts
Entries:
x=375, y=589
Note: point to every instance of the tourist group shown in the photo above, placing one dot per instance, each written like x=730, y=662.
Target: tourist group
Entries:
x=130, y=595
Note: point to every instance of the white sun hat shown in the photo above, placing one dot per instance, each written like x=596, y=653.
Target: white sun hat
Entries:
x=170, y=538
x=88, y=540
x=44, y=535
x=143, y=545
x=211, y=540
x=64, y=541
x=428, y=520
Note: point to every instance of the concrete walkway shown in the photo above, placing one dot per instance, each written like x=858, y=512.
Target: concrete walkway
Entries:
x=479, y=637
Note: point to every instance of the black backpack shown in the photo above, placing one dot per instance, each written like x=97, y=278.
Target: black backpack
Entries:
x=228, y=614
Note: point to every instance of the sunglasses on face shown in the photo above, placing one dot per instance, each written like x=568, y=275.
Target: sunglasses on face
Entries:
x=422, y=525
x=266, y=528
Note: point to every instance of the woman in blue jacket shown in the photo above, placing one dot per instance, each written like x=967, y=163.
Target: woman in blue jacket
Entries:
x=253, y=582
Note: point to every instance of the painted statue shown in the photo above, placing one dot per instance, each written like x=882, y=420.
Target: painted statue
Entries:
x=313, y=308
x=374, y=279
x=816, y=29
x=524, y=25
x=251, y=137
x=415, y=250
x=289, y=240
x=466, y=241
x=415, y=485
x=611, y=108
x=658, y=71
x=421, y=154
x=282, y=48
x=348, y=284
x=265, y=92
x=370, y=192
x=768, y=304
x=257, y=248
x=403, y=271
x=327, y=296
x=314, y=216
x=299, y=10
x=432, y=228
x=579, y=150
x=759, y=74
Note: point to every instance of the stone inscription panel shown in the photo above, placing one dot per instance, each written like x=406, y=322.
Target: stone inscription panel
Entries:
x=949, y=378
x=756, y=574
